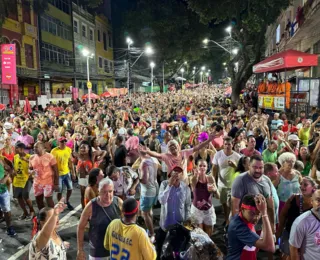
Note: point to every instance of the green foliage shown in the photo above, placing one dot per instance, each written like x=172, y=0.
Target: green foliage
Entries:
x=250, y=19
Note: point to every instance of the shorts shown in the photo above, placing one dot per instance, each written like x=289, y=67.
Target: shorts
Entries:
x=19, y=192
x=146, y=203
x=84, y=181
x=65, y=180
x=5, y=202
x=40, y=189
x=224, y=194
x=207, y=217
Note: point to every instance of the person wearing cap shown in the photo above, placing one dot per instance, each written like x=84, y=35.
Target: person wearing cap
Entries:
x=9, y=132
x=175, y=199
x=125, y=239
x=62, y=153
x=292, y=145
x=243, y=241
x=22, y=182
x=43, y=167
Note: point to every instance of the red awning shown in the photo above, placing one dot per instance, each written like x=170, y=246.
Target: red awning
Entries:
x=286, y=60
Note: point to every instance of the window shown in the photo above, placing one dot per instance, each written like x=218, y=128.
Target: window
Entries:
x=29, y=55
x=75, y=26
x=100, y=62
x=55, y=54
x=105, y=41
x=99, y=36
x=26, y=11
x=63, y=5
x=84, y=31
x=316, y=48
x=111, y=66
x=13, y=14
x=110, y=39
x=106, y=66
x=56, y=27
x=91, y=34
x=18, y=52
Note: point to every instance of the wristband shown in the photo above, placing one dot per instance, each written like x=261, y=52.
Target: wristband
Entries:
x=264, y=216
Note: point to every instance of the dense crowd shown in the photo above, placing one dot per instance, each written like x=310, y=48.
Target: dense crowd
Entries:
x=180, y=150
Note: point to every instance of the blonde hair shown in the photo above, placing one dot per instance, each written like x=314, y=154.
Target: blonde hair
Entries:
x=286, y=157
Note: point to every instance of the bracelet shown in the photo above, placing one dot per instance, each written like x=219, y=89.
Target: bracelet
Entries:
x=265, y=216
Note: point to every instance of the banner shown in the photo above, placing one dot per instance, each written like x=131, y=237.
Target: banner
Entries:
x=279, y=103
x=8, y=61
x=268, y=102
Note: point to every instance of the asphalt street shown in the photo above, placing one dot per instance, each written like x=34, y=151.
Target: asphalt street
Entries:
x=14, y=248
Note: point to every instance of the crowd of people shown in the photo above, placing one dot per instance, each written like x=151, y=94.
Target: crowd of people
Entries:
x=179, y=150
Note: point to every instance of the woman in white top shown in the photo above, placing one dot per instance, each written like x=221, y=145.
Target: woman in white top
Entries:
x=47, y=244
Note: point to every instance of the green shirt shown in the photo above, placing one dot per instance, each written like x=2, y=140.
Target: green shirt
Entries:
x=35, y=132
x=269, y=157
x=306, y=169
x=3, y=186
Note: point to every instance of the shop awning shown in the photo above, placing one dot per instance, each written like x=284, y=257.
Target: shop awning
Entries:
x=286, y=60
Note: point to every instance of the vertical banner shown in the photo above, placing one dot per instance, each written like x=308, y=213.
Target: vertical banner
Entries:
x=8, y=61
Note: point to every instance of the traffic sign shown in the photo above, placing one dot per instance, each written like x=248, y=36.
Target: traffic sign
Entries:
x=89, y=84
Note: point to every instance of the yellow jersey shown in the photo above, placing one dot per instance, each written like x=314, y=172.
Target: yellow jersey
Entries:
x=21, y=167
x=128, y=242
x=62, y=157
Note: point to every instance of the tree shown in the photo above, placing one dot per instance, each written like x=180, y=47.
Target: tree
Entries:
x=249, y=19
x=174, y=31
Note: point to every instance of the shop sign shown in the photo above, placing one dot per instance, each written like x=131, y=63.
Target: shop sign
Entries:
x=268, y=102
x=8, y=61
x=279, y=103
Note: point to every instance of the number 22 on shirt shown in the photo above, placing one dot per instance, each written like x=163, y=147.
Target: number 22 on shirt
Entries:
x=115, y=253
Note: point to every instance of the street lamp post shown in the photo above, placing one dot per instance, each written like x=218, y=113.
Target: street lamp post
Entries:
x=182, y=70
x=194, y=73
x=129, y=42
x=152, y=65
x=88, y=55
x=201, y=73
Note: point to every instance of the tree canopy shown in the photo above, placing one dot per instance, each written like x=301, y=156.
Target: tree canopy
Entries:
x=249, y=20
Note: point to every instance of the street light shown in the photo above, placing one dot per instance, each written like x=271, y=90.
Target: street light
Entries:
x=86, y=53
x=229, y=29
x=152, y=65
x=194, y=73
x=224, y=64
x=186, y=62
x=235, y=51
x=182, y=70
x=203, y=68
x=206, y=41
x=148, y=50
x=129, y=41
x=201, y=73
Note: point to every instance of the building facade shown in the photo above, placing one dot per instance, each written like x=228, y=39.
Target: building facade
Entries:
x=21, y=29
x=297, y=28
x=56, y=48
x=104, y=53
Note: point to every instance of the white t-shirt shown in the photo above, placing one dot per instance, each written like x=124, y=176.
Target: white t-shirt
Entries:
x=305, y=235
x=164, y=149
x=151, y=188
x=221, y=160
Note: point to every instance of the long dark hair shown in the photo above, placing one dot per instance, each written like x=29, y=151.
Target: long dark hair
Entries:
x=240, y=166
x=90, y=149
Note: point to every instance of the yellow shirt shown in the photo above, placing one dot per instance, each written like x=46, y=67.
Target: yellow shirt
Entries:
x=62, y=157
x=128, y=242
x=21, y=167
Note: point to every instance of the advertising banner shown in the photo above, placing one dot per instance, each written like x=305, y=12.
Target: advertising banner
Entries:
x=279, y=103
x=268, y=102
x=8, y=64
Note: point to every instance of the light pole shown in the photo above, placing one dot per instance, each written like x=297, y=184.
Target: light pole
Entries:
x=129, y=42
x=182, y=70
x=88, y=55
x=194, y=73
x=201, y=73
x=152, y=65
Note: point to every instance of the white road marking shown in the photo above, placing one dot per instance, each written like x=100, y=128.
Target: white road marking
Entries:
x=63, y=220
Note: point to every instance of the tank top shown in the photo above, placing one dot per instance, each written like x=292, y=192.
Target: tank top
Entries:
x=98, y=225
x=202, y=198
x=286, y=187
x=9, y=156
x=296, y=209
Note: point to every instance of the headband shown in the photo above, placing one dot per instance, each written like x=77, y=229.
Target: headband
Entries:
x=134, y=210
x=244, y=206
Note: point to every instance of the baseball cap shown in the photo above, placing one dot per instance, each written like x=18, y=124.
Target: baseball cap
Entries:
x=293, y=138
x=175, y=168
x=7, y=126
x=62, y=139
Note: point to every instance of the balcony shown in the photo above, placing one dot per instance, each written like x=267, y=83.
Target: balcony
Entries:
x=29, y=30
x=83, y=13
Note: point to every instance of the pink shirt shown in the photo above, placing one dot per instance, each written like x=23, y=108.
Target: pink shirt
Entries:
x=132, y=143
x=43, y=166
x=249, y=153
x=172, y=161
x=218, y=142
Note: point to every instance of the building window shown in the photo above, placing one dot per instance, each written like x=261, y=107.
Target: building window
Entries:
x=56, y=27
x=29, y=55
x=106, y=66
x=110, y=39
x=316, y=48
x=57, y=55
x=100, y=63
x=105, y=41
x=26, y=11
x=13, y=14
x=91, y=37
x=99, y=36
x=84, y=31
x=18, y=52
x=75, y=26
x=111, y=66
x=63, y=5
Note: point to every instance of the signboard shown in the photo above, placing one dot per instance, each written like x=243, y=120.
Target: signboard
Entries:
x=8, y=61
x=89, y=84
x=279, y=103
x=268, y=102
